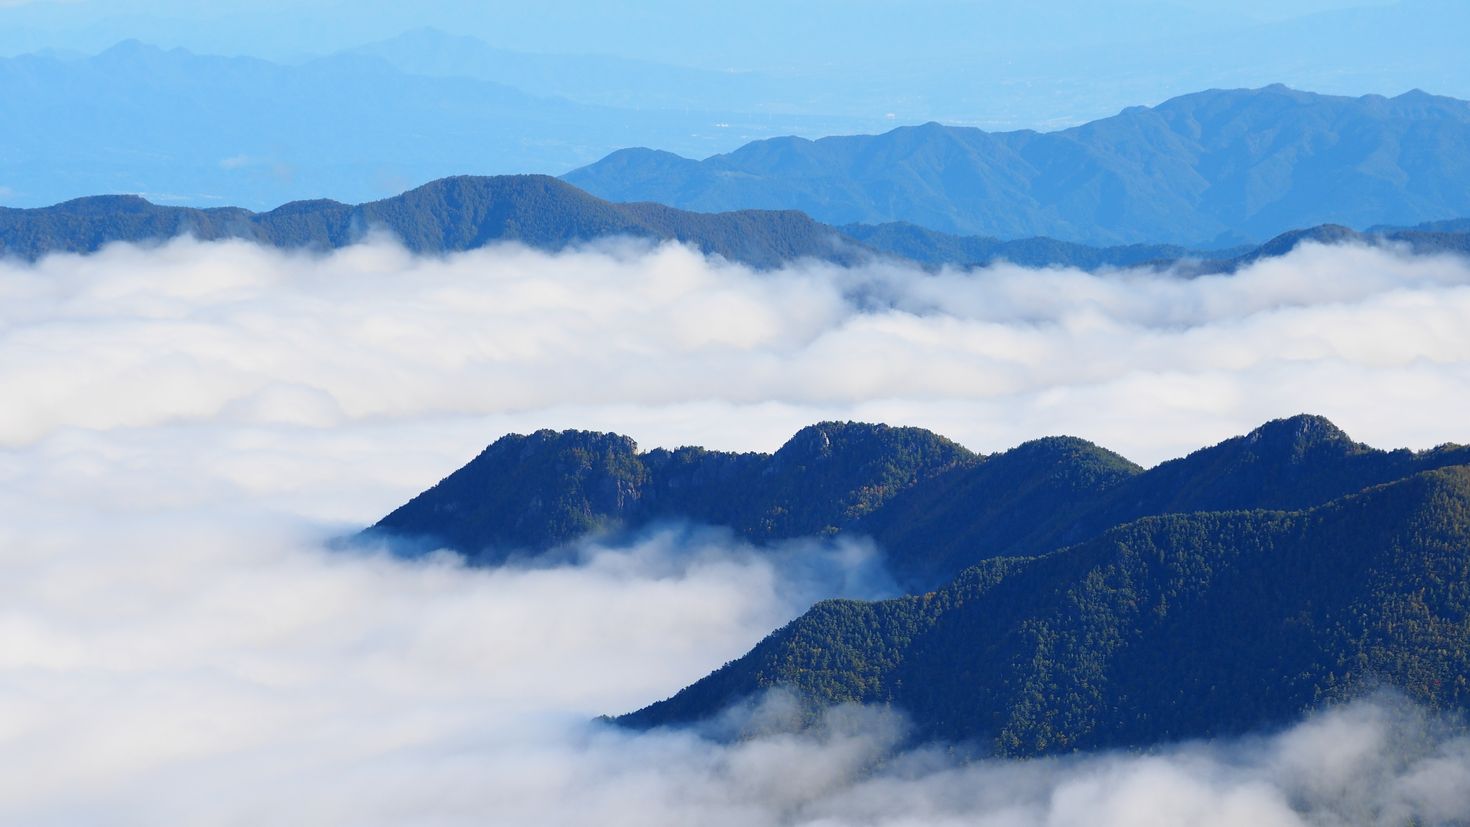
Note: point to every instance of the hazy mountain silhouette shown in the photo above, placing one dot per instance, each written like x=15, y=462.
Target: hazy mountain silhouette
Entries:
x=466, y=212
x=449, y=214
x=204, y=130
x=1216, y=167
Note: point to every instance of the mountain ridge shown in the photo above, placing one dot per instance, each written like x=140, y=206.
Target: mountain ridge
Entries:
x=934, y=507
x=466, y=212
x=448, y=214
x=198, y=128
x=1176, y=173
x=825, y=478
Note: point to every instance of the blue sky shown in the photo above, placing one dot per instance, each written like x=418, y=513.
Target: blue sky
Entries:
x=993, y=63
x=749, y=35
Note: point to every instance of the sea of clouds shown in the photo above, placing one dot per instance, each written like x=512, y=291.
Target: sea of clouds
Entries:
x=184, y=429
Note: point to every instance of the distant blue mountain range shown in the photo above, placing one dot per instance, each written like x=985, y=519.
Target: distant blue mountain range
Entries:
x=1205, y=171
x=1212, y=168
x=201, y=130
x=999, y=64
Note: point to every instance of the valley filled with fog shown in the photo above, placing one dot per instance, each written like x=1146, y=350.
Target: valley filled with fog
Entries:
x=187, y=429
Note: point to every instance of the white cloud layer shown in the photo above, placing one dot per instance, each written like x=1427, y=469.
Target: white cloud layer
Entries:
x=673, y=348
x=211, y=668
x=181, y=427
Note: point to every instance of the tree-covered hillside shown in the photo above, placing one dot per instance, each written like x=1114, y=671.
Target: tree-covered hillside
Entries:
x=1055, y=492
x=1063, y=597
x=1164, y=628
x=933, y=507
x=527, y=494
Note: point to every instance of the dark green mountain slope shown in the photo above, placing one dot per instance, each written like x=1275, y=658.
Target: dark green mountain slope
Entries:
x=1165, y=628
x=449, y=214
x=1212, y=168
x=1030, y=499
x=1055, y=492
x=933, y=507
x=530, y=493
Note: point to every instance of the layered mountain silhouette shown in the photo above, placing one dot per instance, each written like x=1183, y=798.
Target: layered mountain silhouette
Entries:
x=203, y=130
x=450, y=214
x=468, y=212
x=1027, y=66
x=1216, y=167
x=1061, y=597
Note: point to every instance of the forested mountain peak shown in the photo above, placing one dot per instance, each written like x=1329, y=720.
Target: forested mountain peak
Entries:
x=1063, y=449
x=828, y=438
x=548, y=440
x=528, y=494
x=1280, y=442
x=102, y=204
x=1299, y=435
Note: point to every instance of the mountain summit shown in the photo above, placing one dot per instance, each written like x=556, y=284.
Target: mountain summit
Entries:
x=528, y=494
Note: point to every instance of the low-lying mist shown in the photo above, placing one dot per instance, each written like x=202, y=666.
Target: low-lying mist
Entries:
x=674, y=348
x=185, y=429
x=211, y=667
x=180, y=669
